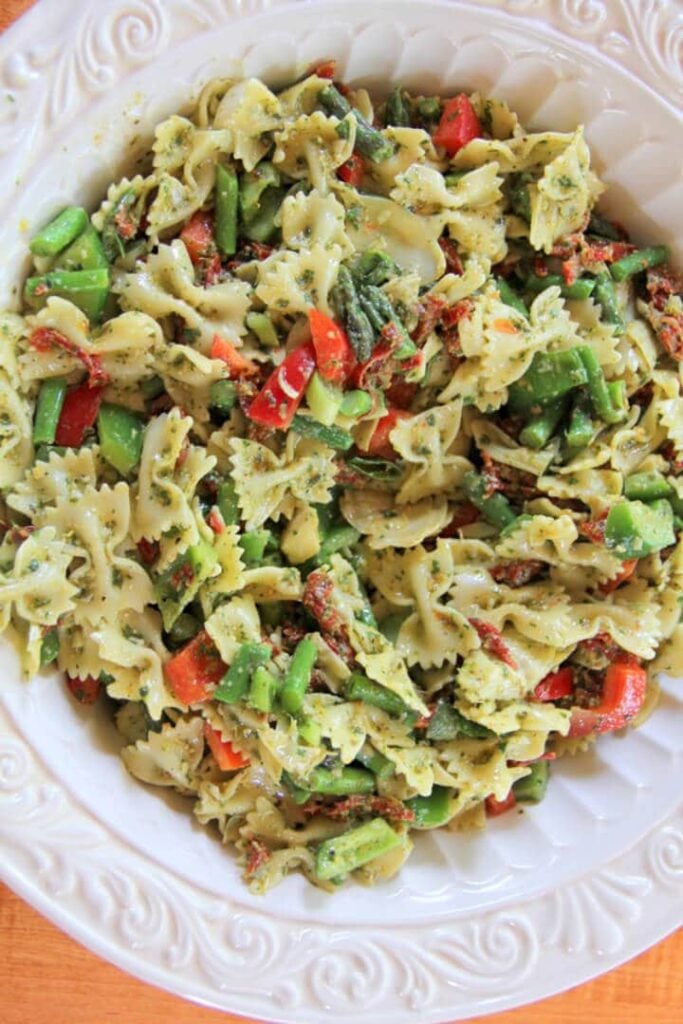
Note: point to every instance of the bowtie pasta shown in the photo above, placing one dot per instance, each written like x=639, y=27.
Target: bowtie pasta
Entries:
x=341, y=453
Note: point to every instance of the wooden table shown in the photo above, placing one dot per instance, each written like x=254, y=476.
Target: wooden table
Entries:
x=47, y=978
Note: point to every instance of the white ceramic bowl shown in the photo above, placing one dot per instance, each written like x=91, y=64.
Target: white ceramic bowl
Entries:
x=473, y=924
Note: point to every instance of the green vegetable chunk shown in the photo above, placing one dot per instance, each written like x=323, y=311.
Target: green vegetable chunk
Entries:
x=87, y=289
x=227, y=202
x=434, y=810
x=336, y=539
x=509, y=296
x=261, y=325
x=121, y=434
x=151, y=388
x=340, y=782
x=541, y=428
x=598, y=389
x=254, y=546
x=396, y=110
x=447, y=723
x=375, y=762
x=375, y=469
x=184, y=628
x=48, y=410
x=336, y=857
x=495, y=508
x=263, y=689
x=333, y=437
x=310, y=733
x=369, y=141
x=298, y=676
x=374, y=266
x=60, y=232
x=638, y=261
x=579, y=431
x=633, y=529
x=551, y=375
x=49, y=648
x=235, y=684
x=223, y=396
x=359, y=687
x=606, y=296
x=579, y=289
x=228, y=503
x=647, y=487
x=324, y=400
x=355, y=404
x=359, y=330
x=85, y=253
x=178, y=585
x=531, y=789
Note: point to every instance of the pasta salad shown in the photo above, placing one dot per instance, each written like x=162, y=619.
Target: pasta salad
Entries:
x=341, y=456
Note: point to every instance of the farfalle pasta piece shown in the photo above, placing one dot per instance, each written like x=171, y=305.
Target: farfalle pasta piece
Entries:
x=235, y=622
x=310, y=147
x=563, y=195
x=410, y=240
x=312, y=219
x=426, y=441
x=188, y=376
x=250, y=111
x=386, y=525
x=291, y=282
x=170, y=757
x=230, y=578
x=65, y=477
x=38, y=586
x=16, y=446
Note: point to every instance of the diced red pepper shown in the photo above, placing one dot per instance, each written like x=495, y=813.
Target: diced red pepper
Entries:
x=465, y=514
x=194, y=671
x=352, y=171
x=227, y=758
x=495, y=807
x=492, y=641
x=215, y=521
x=333, y=353
x=281, y=395
x=458, y=125
x=198, y=236
x=86, y=690
x=623, y=694
x=379, y=444
x=556, y=685
x=45, y=338
x=594, y=529
x=627, y=569
x=326, y=69
x=238, y=365
x=78, y=414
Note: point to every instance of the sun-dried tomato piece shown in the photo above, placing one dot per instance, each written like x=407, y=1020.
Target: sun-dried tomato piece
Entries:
x=492, y=641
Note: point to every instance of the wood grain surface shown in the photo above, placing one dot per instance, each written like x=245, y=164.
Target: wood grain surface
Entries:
x=47, y=978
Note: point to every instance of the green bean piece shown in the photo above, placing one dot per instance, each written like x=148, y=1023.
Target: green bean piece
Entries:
x=541, y=428
x=375, y=469
x=579, y=430
x=223, y=396
x=369, y=141
x=447, y=724
x=428, y=108
x=634, y=529
x=582, y=288
x=333, y=437
x=606, y=296
x=355, y=404
x=298, y=676
x=396, y=110
x=324, y=400
x=234, y=685
x=298, y=794
x=228, y=503
x=509, y=296
x=532, y=788
x=495, y=508
x=87, y=289
x=351, y=850
x=85, y=253
x=310, y=733
x=380, y=312
x=359, y=687
x=261, y=227
x=453, y=178
x=551, y=375
x=334, y=540
x=375, y=762
x=60, y=232
x=603, y=228
x=597, y=388
x=185, y=627
x=618, y=397
x=358, y=328
x=374, y=266
x=254, y=546
x=647, y=487
x=252, y=186
x=640, y=260
x=390, y=626
x=227, y=202
x=49, y=648
x=434, y=810
x=341, y=781
x=120, y=434
x=263, y=689
x=151, y=388
x=48, y=410
x=261, y=325
x=179, y=584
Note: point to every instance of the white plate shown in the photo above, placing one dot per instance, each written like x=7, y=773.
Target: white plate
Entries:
x=473, y=924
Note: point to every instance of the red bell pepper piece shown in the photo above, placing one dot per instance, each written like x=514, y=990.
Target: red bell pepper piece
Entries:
x=458, y=125
x=227, y=758
x=78, y=414
x=379, y=444
x=45, y=338
x=495, y=807
x=327, y=69
x=352, y=171
x=622, y=698
x=492, y=642
x=238, y=365
x=281, y=395
x=627, y=569
x=195, y=670
x=198, y=236
x=556, y=685
x=333, y=353
x=86, y=690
